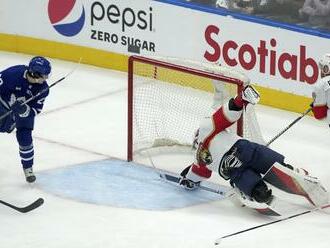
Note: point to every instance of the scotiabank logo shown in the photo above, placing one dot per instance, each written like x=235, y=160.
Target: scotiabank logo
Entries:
x=66, y=16
x=289, y=66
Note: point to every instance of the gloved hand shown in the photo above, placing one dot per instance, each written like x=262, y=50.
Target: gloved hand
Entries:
x=314, y=97
x=250, y=95
x=20, y=109
x=188, y=184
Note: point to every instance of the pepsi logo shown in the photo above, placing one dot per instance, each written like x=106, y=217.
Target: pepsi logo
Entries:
x=66, y=16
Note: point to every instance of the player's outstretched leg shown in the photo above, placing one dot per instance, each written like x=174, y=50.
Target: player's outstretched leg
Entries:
x=254, y=193
x=261, y=199
x=297, y=181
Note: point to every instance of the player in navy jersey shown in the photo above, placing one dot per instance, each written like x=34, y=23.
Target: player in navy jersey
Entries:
x=252, y=169
x=18, y=84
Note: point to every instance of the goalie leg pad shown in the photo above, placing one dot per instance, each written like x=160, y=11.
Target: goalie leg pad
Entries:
x=293, y=182
x=261, y=207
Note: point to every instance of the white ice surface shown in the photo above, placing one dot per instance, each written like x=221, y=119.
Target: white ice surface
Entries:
x=85, y=120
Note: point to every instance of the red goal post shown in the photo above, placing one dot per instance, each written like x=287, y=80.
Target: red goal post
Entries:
x=168, y=97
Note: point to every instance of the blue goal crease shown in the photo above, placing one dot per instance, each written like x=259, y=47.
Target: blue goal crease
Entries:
x=119, y=184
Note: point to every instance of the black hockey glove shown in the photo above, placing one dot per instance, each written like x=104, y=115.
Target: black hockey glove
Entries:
x=188, y=184
x=20, y=109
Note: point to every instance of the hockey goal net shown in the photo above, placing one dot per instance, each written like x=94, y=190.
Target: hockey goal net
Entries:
x=168, y=97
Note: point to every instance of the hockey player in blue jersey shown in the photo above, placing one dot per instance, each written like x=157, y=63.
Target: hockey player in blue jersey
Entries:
x=18, y=84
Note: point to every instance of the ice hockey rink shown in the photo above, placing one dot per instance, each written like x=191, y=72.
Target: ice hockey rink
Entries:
x=80, y=141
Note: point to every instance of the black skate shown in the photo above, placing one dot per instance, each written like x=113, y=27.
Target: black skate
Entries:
x=29, y=175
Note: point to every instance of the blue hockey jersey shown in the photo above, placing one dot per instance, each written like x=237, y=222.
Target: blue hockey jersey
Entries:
x=14, y=86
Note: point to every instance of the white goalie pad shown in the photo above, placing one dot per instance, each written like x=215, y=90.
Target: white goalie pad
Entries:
x=276, y=207
x=299, y=183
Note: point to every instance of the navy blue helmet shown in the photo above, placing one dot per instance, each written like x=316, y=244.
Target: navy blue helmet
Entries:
x=39, y=67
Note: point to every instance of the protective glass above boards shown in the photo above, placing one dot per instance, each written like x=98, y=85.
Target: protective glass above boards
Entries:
x=311, y=15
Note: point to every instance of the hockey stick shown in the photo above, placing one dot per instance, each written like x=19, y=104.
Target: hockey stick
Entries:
x=42, y=91
x=289, y=126
x=27, y=208
x=283, y=131
x=176, y=179
x=218, y=241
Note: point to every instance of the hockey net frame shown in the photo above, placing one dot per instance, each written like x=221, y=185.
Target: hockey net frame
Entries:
x=205, y=70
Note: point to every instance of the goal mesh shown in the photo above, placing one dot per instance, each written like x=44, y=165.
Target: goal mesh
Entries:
x=168, y=97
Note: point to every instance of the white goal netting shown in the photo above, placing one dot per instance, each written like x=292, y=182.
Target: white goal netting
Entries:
x=169, y=98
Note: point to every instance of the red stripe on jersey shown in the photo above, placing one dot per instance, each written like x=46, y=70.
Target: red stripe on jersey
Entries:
x=239, y=102
x=201, y=171
x=220, y=123
x=320, y=112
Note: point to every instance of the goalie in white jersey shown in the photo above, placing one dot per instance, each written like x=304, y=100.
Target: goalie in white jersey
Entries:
x=321, y=94
x=246, y=164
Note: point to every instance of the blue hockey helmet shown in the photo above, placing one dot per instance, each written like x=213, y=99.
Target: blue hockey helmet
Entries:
x=39, y=67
